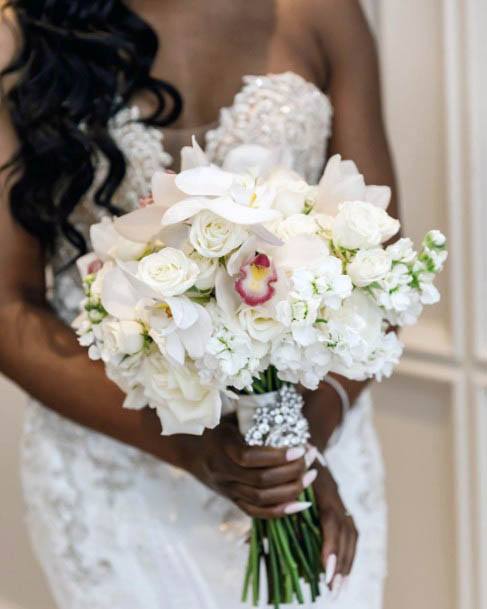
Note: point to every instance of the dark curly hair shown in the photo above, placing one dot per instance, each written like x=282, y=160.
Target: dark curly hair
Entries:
x=79, y=63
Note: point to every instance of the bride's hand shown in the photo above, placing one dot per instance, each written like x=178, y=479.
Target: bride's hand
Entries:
x=263, y=482
x=339, y=530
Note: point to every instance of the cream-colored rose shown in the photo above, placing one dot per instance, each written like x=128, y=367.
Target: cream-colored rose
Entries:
x=122, y=337
x=258, y=323
x=214, y=237
x=182, y=402
x=168, y=272
x=369, y=266
x=208, y=268
x=361, y=225
x=293, y=193
x=297, y=224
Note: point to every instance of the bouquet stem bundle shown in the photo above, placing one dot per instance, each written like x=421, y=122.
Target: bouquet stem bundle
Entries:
x=289, y=548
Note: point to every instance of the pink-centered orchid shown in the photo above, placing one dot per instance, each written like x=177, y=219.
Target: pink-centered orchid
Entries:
x=255, y=284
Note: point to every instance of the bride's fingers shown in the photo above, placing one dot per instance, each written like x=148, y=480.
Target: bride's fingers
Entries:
x=262, y=456
x=331, y=544
x=351, y=548
x=284, y=494
x=268, y=477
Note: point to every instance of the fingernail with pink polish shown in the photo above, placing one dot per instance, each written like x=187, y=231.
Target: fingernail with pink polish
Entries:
x=337, y=586
x=309, y=477
x=330, y=567
x=297, y=506
x=293, y=454
x=310, y=456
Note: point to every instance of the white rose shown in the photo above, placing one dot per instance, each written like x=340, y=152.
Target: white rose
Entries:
x=361, y=225
x=208, y=268
x=122, y=337
x=296, y=224
x=369, y=266
x=168, y=272
x=182, y=402
x=259, y=325
x=213, y=237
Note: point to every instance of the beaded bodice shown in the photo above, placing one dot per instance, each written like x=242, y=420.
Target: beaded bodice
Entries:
x=276, y=110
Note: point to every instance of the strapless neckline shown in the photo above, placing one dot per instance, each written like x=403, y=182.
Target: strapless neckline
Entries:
x=203, y=132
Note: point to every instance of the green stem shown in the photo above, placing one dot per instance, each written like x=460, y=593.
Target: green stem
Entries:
x=255, y=564
x=276, y=596
x=293, y=568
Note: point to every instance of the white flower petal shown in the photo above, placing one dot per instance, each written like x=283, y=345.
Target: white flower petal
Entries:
x=164, y=189
x=380, y=196
x=184, y=312
x=205, y=181
x=119, y=297
x=141, y=225
x=225, y=293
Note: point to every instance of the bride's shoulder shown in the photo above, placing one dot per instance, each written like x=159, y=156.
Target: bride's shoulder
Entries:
x=10, y=39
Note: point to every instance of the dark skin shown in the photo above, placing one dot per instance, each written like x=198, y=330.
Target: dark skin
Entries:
x=328, y=43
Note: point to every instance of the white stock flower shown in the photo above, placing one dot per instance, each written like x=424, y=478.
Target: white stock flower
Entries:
x=232, y=357
x=402, y=251
x=354, y=331
x=168, y=272
x=361, y=225
x=122, y=337
x=436, y=238
x=369, y=266
x=324, y=281
x=214, y=237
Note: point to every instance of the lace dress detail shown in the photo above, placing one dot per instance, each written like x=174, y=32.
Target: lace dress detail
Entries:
x=113, y=527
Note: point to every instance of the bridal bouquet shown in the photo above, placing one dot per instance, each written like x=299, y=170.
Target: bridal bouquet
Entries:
x=233, y=284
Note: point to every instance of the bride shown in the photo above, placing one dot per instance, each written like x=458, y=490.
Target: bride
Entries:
x=96, y=96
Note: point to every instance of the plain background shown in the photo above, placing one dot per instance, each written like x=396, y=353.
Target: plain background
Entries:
x=432, y=416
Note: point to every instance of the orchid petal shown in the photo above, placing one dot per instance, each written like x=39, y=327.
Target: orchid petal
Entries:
x=299, y=252
x=85, y=262
x=226, y=208
x=174, y=348
x=184, y=312
x=118, y=296
x=380, y=196
x=103, y=237
x=225, y=294
x=205, y=181
x=183, y=210
x=164, y=189
x=193, y=156
x=195, y=339
x=265, y=235
x=141, y=225
x=129, y=269
x=242, y=255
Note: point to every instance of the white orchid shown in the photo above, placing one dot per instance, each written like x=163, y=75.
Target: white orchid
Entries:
x=343, y=182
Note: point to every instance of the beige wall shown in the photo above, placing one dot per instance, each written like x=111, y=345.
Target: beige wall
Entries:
x=437, y=475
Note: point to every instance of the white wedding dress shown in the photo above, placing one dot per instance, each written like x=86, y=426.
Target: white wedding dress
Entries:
x=116, y=529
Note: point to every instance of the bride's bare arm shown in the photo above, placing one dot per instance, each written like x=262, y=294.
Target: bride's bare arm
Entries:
x=350, y=75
